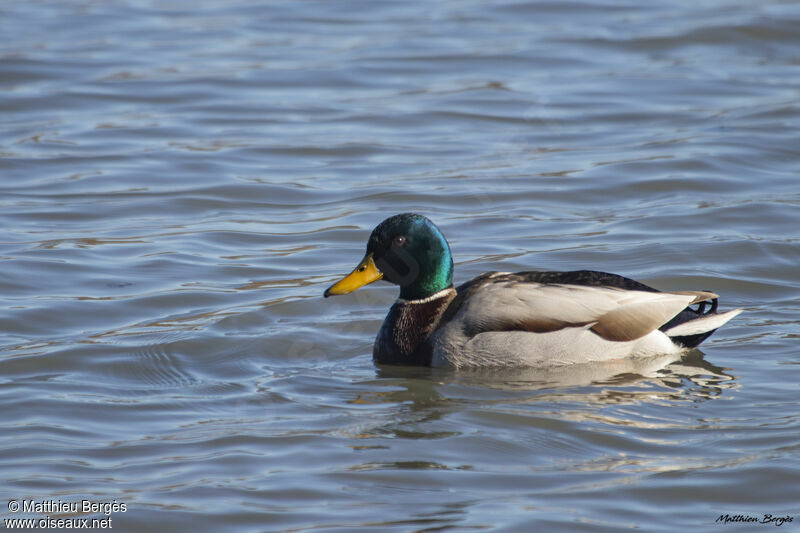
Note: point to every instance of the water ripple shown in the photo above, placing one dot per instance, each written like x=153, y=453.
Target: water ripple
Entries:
x=181, y=181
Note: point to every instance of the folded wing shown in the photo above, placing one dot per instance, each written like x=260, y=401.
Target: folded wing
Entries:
x=612, y=313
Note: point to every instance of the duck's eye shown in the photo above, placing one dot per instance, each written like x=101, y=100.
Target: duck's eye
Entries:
x=399, y=240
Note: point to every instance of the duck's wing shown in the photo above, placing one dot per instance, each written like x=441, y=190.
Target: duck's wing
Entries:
x=613, y=307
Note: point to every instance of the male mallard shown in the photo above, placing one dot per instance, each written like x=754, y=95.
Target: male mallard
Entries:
x=527, y=318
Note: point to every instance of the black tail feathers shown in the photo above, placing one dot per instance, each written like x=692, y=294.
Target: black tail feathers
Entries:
x=692, y=341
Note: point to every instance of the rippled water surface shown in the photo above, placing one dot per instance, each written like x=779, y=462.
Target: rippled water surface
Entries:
x=180, y=181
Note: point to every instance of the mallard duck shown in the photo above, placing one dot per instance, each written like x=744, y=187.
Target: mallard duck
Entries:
x=521, y=319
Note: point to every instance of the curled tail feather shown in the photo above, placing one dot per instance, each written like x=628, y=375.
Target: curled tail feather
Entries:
x=692, y=326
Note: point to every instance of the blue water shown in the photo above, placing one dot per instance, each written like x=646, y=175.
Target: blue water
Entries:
x=180, y=181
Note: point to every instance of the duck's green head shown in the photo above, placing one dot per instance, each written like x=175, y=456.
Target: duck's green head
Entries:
x=407, y=250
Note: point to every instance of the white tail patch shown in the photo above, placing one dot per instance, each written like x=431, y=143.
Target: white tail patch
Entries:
x=702, y=324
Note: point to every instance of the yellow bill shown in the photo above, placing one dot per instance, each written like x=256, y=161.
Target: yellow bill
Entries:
x=366, y=272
